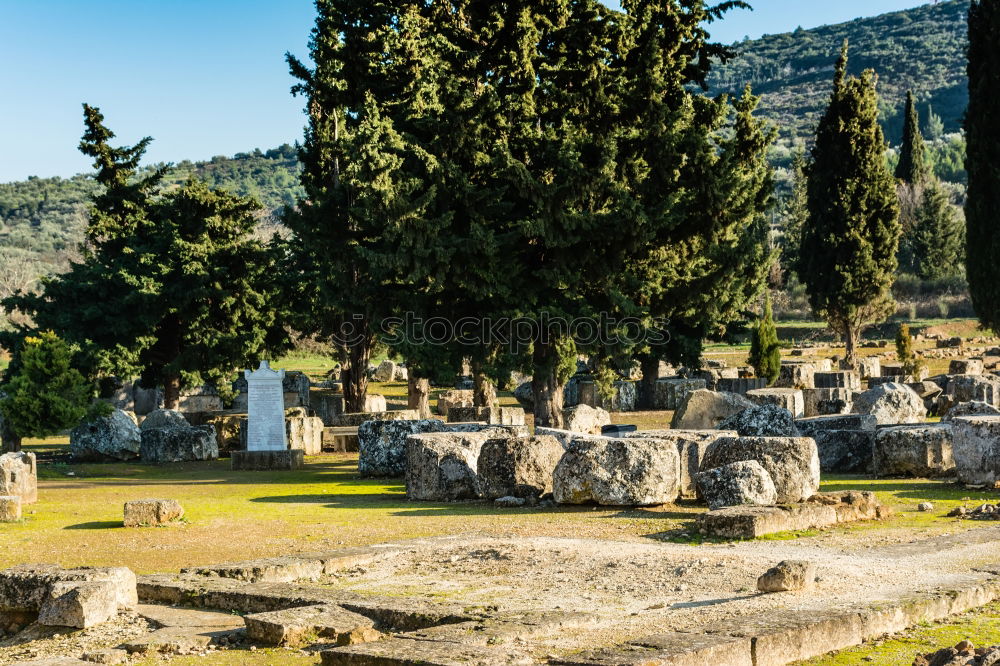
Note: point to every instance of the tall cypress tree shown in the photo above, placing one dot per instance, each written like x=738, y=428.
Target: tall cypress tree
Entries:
x=912, y=167
x=983, y=136
x=848, y=257
x=765, y=350
x=938, y=238
x=796, y=212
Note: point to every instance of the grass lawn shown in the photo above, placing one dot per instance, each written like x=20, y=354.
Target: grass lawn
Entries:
x=245, y=515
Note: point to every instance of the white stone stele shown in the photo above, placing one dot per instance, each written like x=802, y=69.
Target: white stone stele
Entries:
x=265, y=409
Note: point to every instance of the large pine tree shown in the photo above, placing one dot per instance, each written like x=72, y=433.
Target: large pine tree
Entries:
x=848, y=256
x=172, y=286
x=983, y=161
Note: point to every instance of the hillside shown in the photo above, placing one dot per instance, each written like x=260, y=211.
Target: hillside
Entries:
x=922, y=49
x=41, y=219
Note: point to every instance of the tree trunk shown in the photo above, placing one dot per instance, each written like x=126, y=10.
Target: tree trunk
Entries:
x=545, y=388
x=851, y=342
x=172, y=392
x=647, y=387
x=484, y=393
x=418, y=395
x=355, y=376
x=11, y=442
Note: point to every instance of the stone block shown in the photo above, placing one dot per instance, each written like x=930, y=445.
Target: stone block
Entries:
x=976, y=449
x=305, y=433
x=618, y=472
x=111, y=438
x=838, y=380
x=845, y=451
x=328, y=405
x=672, y=392
x=79, y=604
x=383, y=448
x=921, y=451
x=454, y=398
x=791, y=399
x=298, y=626
x=355, y=420
x=172, y=445
x=10, y=508
x=705, y=410
x=19, y=476
x=164, y=418
x=264, y=461
x=742, y=385
x=743, y=483
x=691, y=446
x=966, y=366
x=152, y=512
x=490, y=415
x=792, y=462
x=751, y=522
x=340, y=439
x=974, y=388
x=810, y=426
x=443, y=466
x=585, y=419
x=891, y=404
x=518, y=467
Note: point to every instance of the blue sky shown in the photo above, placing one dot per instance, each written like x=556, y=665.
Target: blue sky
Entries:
x=204, y=77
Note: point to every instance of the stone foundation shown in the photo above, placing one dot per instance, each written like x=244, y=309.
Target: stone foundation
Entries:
x=263, y=461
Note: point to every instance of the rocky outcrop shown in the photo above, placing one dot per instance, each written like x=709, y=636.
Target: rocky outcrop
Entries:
x=618, y=472
x=744, y=483
x=109, y=438
x=792, y=462
x=705, y=410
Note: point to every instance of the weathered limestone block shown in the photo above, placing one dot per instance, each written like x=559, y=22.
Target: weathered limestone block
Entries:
x=845, y=451
x=618, y=472
x=976, y=449
x=751, y=522
x=25, y=588
x=585, y=419
x=838, y=380
x=975, y=388
x=305, y=433
x=382, y=445
x=742, y=385
x=705, y=410
x=796, y=375
x=895, y=372
x=970, y=409
x=19, y=476
x=297, y=626
x=518, y=467
x=491, y=415
x=355, y=420
x=152, y=512
x=171, y=445
x=788, y=576
x=79, y=604
x=737, y=484
x=442, y=466
x=891, y=404
x=375, y=403
x=264, y=461
x=691, y=446
x=792, y=462
x=767, y=420
x=821, y=402
x=328, y=405
x=164, y=418
x=386, y=372
x=790, y=399
x=10, y=508
x=810, y=426
x=869, y=366
x=454, y=398
x=109, y=438
x=672, y=392
x=922, y=451
x=966, y=366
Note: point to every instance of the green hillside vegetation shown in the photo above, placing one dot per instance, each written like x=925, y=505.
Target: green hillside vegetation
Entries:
x=920, y=49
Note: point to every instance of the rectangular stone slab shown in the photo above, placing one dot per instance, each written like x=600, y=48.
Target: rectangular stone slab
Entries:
x=669, y=649
x=294, y=625
x=409, y=652
x=263, y=461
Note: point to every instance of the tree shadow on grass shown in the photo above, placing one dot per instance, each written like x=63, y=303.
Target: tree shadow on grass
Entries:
x=97, y=525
